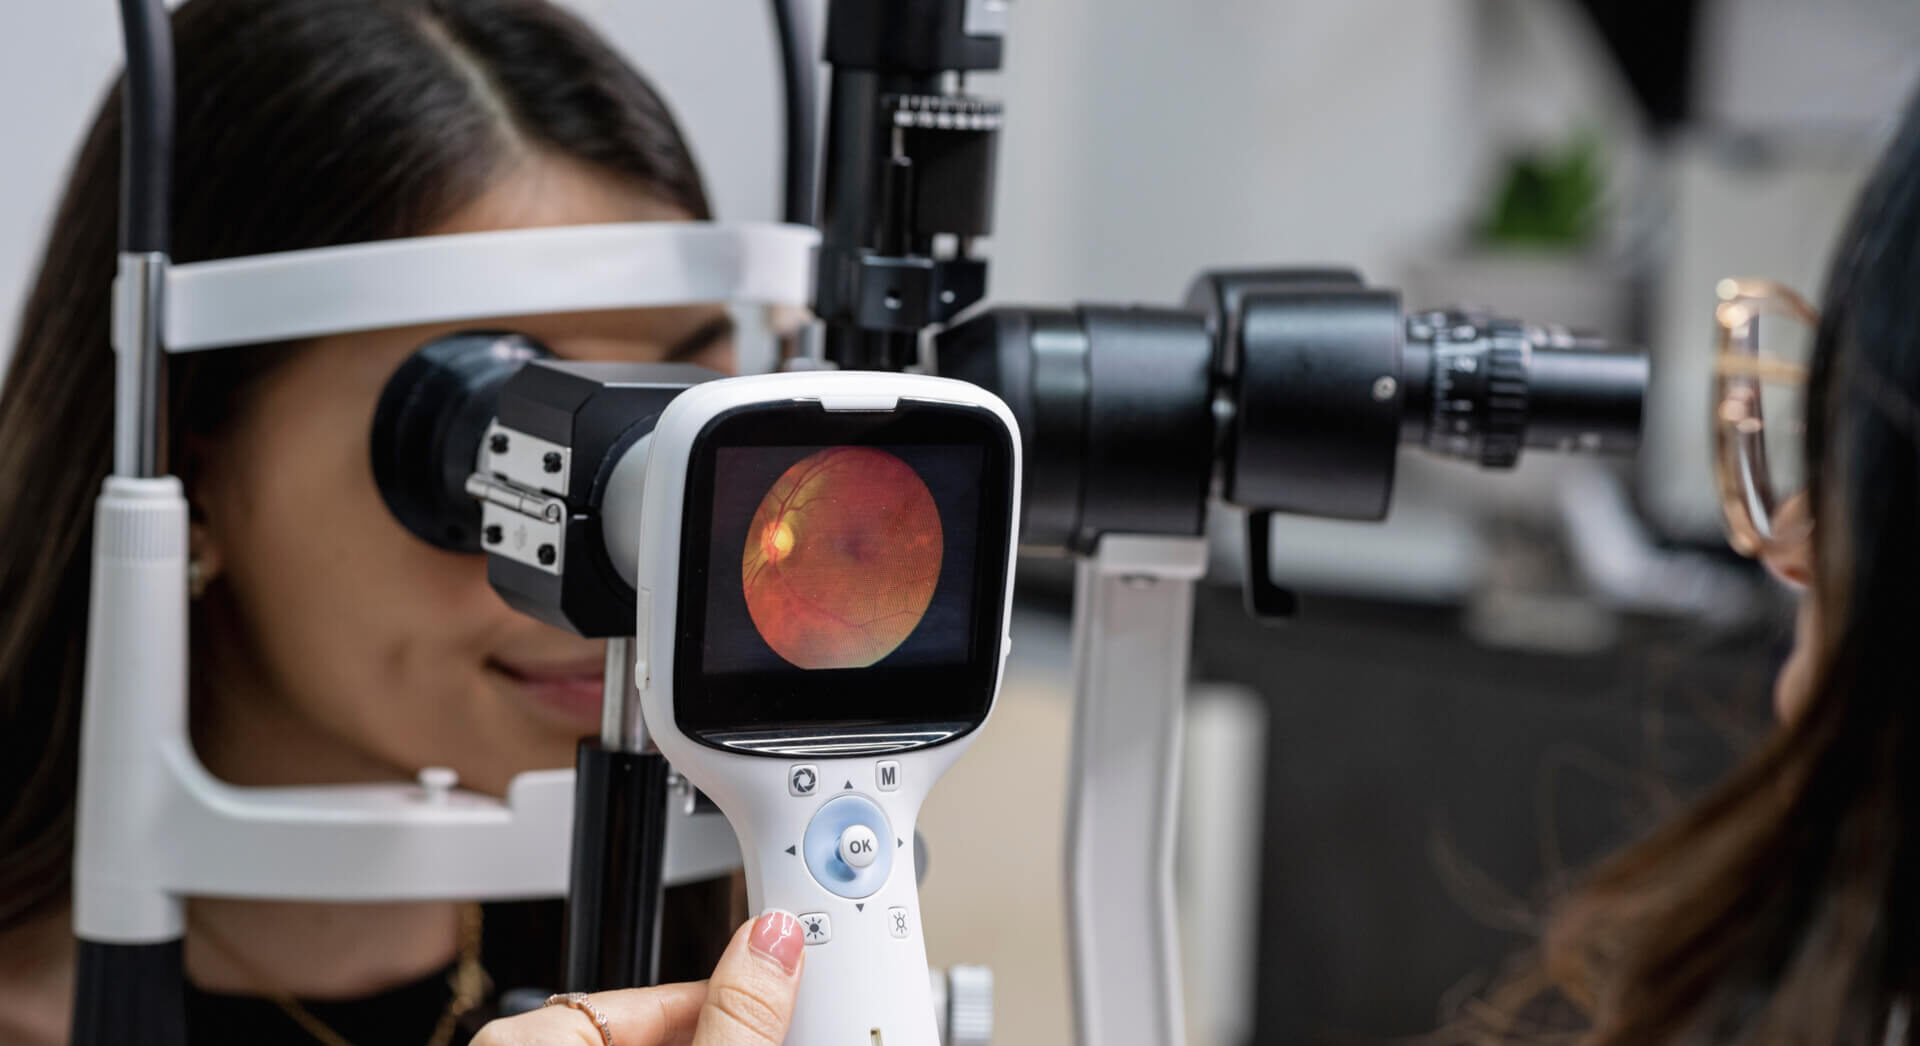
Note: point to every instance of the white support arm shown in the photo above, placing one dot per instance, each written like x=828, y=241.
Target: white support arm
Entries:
x=156, y=827
x=1132, y=625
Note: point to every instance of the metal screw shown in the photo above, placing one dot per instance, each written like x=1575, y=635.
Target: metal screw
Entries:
x=494, y=534
x=547, y=555
x=551, y=462
x=947, y=297
x=892, y=301
x=498, y=444
x=1384, y=388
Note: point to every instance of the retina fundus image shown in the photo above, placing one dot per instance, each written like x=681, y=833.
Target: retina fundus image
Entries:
x=842, y=558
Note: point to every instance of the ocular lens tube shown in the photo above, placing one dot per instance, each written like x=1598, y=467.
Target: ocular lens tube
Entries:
x=1479, y=388
x=428, y=426
x=1586, y=400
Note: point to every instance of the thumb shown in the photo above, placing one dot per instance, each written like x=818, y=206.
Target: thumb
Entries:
x=750, y=998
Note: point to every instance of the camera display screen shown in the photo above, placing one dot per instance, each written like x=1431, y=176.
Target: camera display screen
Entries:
x=843, y=570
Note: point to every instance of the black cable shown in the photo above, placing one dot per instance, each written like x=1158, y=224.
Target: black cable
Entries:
x=146, y=156
x=800, y=83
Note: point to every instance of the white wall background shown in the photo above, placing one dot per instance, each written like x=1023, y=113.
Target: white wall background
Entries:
x=55, y=59
x=1146, y=139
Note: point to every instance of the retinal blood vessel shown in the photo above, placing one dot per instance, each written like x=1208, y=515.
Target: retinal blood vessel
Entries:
x=842, y=558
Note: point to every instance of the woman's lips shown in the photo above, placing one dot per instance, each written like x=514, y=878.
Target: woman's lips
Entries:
x=572, y=688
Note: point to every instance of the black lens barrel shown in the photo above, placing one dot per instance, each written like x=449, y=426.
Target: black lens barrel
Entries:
x=1115, y=413
x=427, y=430
x=1586, y=400
x=1315, y=426
x=1276, y=390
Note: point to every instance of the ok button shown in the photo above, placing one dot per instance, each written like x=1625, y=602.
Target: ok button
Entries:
x=859, y=846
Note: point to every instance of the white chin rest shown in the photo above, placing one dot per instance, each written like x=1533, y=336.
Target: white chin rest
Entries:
x=470, y=276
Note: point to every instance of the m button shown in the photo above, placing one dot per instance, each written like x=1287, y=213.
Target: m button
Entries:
x=886, y=775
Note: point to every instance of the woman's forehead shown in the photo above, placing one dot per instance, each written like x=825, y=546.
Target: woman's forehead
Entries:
x=545, y=189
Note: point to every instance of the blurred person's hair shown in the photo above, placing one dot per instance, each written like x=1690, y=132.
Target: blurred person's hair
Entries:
x=301, y=123
x=1784, y=907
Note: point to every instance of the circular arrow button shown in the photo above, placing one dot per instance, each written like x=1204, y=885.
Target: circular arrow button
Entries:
x=842, y=846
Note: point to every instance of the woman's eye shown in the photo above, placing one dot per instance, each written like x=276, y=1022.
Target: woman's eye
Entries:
x=715, y=334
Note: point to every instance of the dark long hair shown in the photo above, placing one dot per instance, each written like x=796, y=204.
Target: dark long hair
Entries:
x=302, y=123
x=1783, y=908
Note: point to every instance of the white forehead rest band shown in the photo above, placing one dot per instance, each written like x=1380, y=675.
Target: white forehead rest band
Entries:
x=470, y=276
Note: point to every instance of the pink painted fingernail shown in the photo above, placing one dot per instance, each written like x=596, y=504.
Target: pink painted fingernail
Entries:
x=776, y=935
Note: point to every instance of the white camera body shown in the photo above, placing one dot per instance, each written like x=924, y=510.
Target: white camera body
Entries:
x=822, y=773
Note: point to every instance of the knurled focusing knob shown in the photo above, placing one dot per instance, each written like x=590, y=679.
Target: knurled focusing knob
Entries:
x=1474, y=389
x=969, y=1006
x=1506, y=420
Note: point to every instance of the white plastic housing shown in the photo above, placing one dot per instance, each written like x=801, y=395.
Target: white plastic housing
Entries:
x=154, y=826
x=865, y=979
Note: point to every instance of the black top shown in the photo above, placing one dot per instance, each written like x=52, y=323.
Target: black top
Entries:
x=404, y=1015
x=521, y=948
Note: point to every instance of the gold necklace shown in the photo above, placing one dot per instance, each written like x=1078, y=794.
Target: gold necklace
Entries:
x=468, y=981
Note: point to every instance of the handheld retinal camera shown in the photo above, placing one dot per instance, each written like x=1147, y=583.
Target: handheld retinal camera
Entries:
x=824, y=584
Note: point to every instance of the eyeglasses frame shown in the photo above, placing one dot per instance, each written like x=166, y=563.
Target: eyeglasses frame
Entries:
x=1740, y=452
